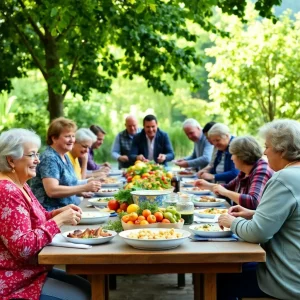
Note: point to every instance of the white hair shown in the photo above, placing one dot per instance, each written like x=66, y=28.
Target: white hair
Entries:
x=219, y=129
x=12, y=144
x=85, y=134
x=284, y=136
x=191, y=122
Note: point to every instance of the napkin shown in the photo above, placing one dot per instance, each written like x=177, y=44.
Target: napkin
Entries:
x=199, y=220
x=60, y=241
x=232, y=238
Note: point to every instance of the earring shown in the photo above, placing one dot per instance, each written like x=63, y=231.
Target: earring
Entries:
x=13, y=170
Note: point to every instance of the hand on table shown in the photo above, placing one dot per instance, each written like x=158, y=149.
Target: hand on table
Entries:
x=240, y=211
x=225, y=220
x=219, y=190
x=182, y=163
x=161, y=158
x=206, y=176
x=141, y=157
x=123, y=158
x=203, y=184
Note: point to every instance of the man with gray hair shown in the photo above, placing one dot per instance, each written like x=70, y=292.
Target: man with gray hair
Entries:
x=202, y=148
x=122, y=144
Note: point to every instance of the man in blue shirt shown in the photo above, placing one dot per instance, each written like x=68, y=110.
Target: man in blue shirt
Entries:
x=122, y=144
x=151, y=144
x=202, y=147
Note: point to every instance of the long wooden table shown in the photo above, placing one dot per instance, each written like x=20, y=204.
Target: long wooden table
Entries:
x=204, y=259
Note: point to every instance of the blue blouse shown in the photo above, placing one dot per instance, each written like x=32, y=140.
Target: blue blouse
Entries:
x=52, y=166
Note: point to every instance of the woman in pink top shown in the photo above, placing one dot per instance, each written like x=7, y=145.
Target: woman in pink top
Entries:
x=26, y=227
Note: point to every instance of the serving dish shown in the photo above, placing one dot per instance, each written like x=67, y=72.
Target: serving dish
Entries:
x=152, y=196
x=106, y=192
x=94, y=217
x=210, y=230
x=89, y=241
x=205, y=203
x=195, y=191
x=154, y=244
x=101, y=202
x=210, y=212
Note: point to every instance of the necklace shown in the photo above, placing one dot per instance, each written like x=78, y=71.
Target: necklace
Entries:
x=291, y=163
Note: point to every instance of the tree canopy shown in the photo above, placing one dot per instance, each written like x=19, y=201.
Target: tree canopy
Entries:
x=255, y=76
x=82, y=45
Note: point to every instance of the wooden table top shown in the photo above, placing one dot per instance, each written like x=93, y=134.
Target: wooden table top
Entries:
x=118, y=252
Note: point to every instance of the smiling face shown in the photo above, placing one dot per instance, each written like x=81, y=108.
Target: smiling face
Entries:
x=220, y=142
x=99, y=141
x=81, y=148
x=25, y=167
x=193, y=133
x=65, y=141
x=150, y=128
x=131, y=125
x=275, y=160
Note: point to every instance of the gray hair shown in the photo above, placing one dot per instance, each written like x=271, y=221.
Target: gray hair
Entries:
x=191, y=122
x=284, y=136
x=12, y=144
x=219, y=129
x=246, y=148
x=85, y=134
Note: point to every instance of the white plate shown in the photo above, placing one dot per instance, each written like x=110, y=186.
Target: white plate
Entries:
x=195, y=192
x=188, y=183
x=187, y=175
x=102, y=202
x=154, y=244
x=92, y=241
x=202, y=213
x=219, y=202
x=106, y=193
x=94, y=217
x=115, y=172
x=214, y=230
x=111, y=185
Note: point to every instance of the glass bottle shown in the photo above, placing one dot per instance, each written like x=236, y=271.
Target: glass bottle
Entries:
x=185, y=207
x=175, y=182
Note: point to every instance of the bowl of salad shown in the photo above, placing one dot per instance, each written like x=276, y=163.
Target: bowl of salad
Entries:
x=151, y=196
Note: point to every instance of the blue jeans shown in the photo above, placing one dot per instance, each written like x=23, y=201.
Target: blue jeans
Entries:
x=238, y=285
x=62, y=286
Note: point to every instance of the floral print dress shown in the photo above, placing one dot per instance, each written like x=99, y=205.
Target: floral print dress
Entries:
x=25, y=228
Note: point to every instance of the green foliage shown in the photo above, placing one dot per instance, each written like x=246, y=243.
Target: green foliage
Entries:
x=83, y=46
x=255, y=76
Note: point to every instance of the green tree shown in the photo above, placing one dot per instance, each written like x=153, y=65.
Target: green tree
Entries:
x=72, y=42
x=255, y=77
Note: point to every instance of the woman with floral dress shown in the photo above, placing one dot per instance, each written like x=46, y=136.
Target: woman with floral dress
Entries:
x=26, y=227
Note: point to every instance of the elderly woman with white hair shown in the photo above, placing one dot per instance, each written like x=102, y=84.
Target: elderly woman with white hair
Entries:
x=202, y=148
x=26, y=227
x=274, y=224
x=223, y=169
x=246, y=189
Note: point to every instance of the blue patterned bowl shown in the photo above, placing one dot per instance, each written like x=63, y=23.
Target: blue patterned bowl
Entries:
x=151, y=196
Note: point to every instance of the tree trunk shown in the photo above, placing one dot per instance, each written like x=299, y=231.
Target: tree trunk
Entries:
x=55, y=104
x=54, y=79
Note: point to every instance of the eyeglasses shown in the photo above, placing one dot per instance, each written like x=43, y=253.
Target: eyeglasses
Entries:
x=84, y=146
x=33, y=155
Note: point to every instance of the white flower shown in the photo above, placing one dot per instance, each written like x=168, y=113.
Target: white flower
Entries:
x=3, y=285
x=5, y=213
x=5, y=256
x=26, y=252
x=10, y=187
x=27, y=273
x=22, y=210
x=9, y=273
x=17, y=233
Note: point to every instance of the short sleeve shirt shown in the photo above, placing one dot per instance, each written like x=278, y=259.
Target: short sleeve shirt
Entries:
x=52, y=166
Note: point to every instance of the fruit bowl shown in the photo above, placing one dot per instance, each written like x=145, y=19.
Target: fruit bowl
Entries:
x=151, y=196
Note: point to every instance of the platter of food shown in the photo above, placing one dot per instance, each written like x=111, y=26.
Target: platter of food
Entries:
x=210, y=212
x=188, y=183
x=89, y=236
x=155, y=238
x=102, y=202
x=210, y=230
x=106, y=192
x=115, y=173
x=94, y=217
x=208, y=201
x=186, y=174
x=195, y=190
x=110, y=182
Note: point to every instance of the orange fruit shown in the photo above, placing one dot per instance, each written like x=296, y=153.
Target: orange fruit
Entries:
x=146, y=213
x=125, y=218
x=130, y=222
x=151, y=219
x=165, y=221
x=141, y=218
x=133, y=216
x=144, y=222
